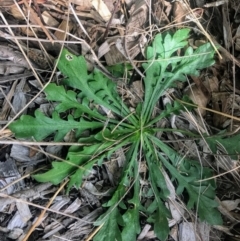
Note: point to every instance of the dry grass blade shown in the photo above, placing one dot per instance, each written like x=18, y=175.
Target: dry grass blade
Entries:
x=39, y=220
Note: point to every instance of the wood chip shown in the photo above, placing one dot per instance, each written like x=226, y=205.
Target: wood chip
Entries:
x=9, y=173
x=102, y=9
x=65, y=26
x=49, y=20
x=82, y=5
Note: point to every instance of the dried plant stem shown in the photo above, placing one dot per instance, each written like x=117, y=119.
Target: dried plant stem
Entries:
x=39, y=220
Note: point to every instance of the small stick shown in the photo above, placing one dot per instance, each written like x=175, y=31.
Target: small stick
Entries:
x=43, y=212
x=110, y=20
x=37, y=20
x=38, y=11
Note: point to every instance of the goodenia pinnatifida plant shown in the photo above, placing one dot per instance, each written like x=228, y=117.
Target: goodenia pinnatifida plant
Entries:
x=134, y=131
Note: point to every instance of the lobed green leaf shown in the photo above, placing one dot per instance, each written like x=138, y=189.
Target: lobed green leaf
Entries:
x=95, y=86
x=163, y=69
x=42, y=126
x=68, y=100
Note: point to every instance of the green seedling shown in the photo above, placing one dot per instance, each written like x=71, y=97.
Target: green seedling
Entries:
x=134, y=131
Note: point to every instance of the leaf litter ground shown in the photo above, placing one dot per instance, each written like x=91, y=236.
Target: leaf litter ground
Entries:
x=223, y=143
x=134, y=132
